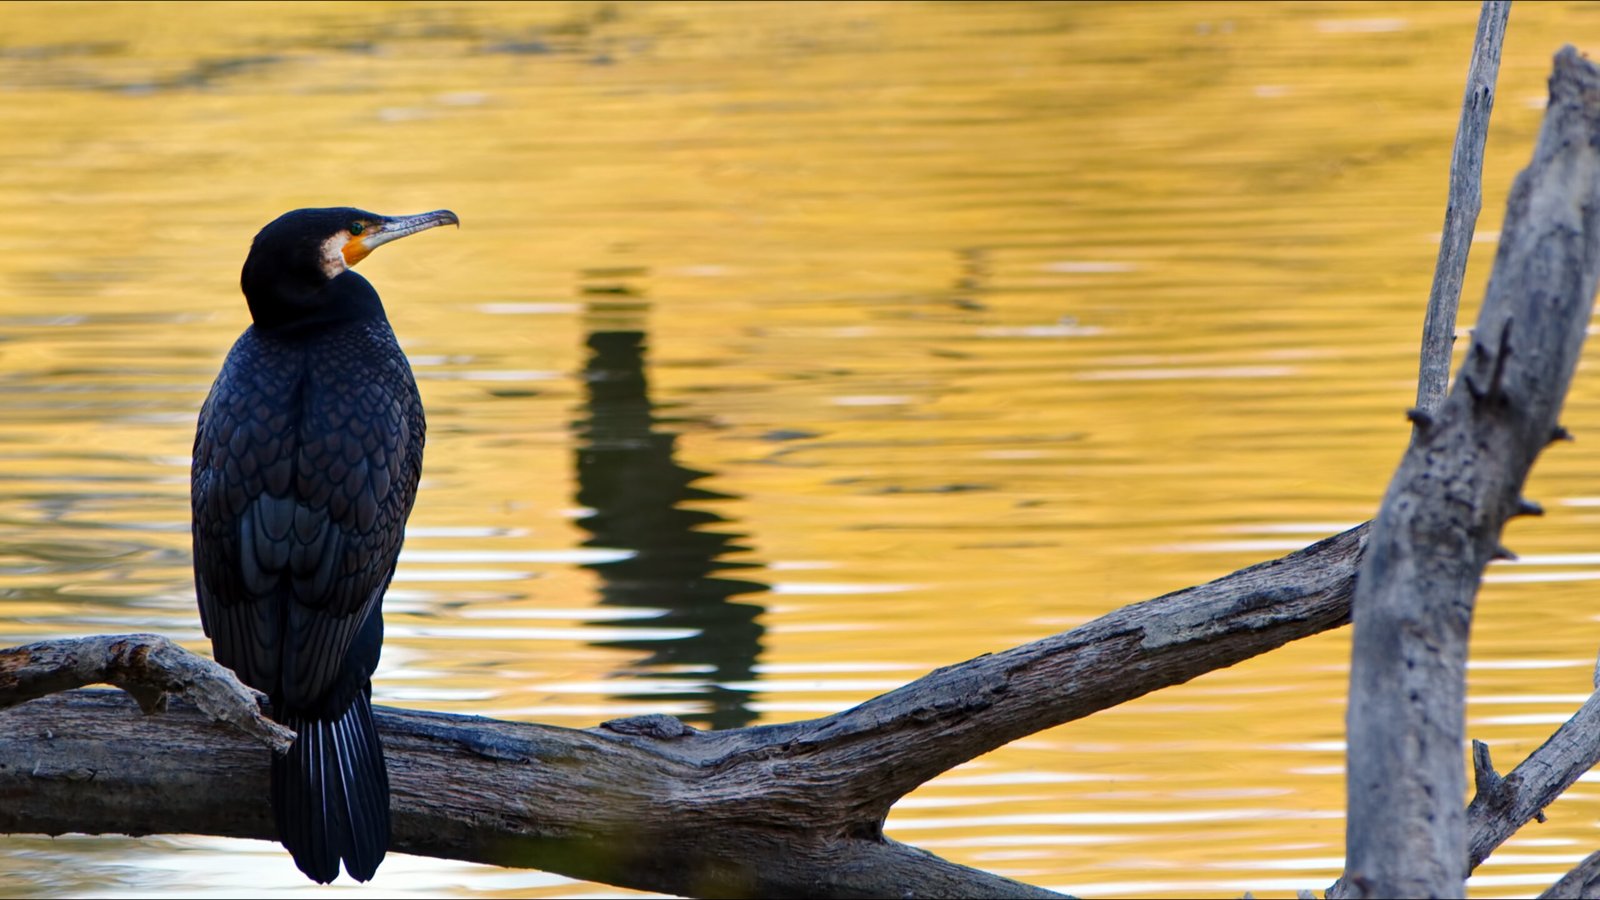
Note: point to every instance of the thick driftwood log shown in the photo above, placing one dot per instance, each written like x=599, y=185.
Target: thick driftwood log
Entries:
x=640, y=803
x=1461, y=209
x=1441, y=519
x=781, y=810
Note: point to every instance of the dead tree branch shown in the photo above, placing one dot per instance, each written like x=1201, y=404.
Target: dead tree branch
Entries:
x=1501, y=806
x=149, y=667
x=1461, y=208
x=780, y=810
x=1441, y=519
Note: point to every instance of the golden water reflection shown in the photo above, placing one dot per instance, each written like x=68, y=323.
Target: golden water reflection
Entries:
x=790, y=351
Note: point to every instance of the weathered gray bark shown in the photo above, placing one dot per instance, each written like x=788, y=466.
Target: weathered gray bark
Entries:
x=149, y=667
x=641, y=804
x=1502, y=805
x=1461, y=207
x=1441, y=519
x=781, y=810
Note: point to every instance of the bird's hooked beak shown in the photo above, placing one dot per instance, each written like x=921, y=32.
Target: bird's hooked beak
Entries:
x=375, y=234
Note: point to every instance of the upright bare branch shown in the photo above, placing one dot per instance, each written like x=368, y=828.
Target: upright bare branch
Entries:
x=1441, y=519
x=1462, y=206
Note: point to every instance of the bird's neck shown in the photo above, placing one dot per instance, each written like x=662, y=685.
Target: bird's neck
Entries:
x=345, y=300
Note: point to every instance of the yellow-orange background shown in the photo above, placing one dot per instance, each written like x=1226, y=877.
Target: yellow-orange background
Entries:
x=984, y=318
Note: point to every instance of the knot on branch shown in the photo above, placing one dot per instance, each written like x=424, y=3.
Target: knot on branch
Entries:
x=1490, y=786
x=1492, y=790
x=1494, y=394
x=1422, y=419
x=656, y=725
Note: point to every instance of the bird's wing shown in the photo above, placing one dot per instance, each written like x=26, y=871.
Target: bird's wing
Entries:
x=356, y=473
x=240, y=456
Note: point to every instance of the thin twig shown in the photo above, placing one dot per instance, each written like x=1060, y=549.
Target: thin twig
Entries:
x=1461, y=209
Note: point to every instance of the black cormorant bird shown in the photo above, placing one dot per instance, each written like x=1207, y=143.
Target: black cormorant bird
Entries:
x=305, y=467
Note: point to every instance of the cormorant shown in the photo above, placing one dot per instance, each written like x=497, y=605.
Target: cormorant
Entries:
x=306, y=462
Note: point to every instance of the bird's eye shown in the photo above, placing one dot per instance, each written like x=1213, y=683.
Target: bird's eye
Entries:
x=356, y=228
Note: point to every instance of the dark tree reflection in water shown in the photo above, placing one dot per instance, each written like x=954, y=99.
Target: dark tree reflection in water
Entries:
x=642, y=500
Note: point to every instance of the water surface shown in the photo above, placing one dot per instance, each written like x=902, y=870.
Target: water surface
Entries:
x=787, y=352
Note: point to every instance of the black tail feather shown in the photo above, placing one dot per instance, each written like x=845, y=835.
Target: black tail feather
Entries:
x=330, y=794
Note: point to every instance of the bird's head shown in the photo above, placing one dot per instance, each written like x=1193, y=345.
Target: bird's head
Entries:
x=299, y=265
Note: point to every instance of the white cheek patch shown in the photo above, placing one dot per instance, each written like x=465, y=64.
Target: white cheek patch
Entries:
x=333, y=255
